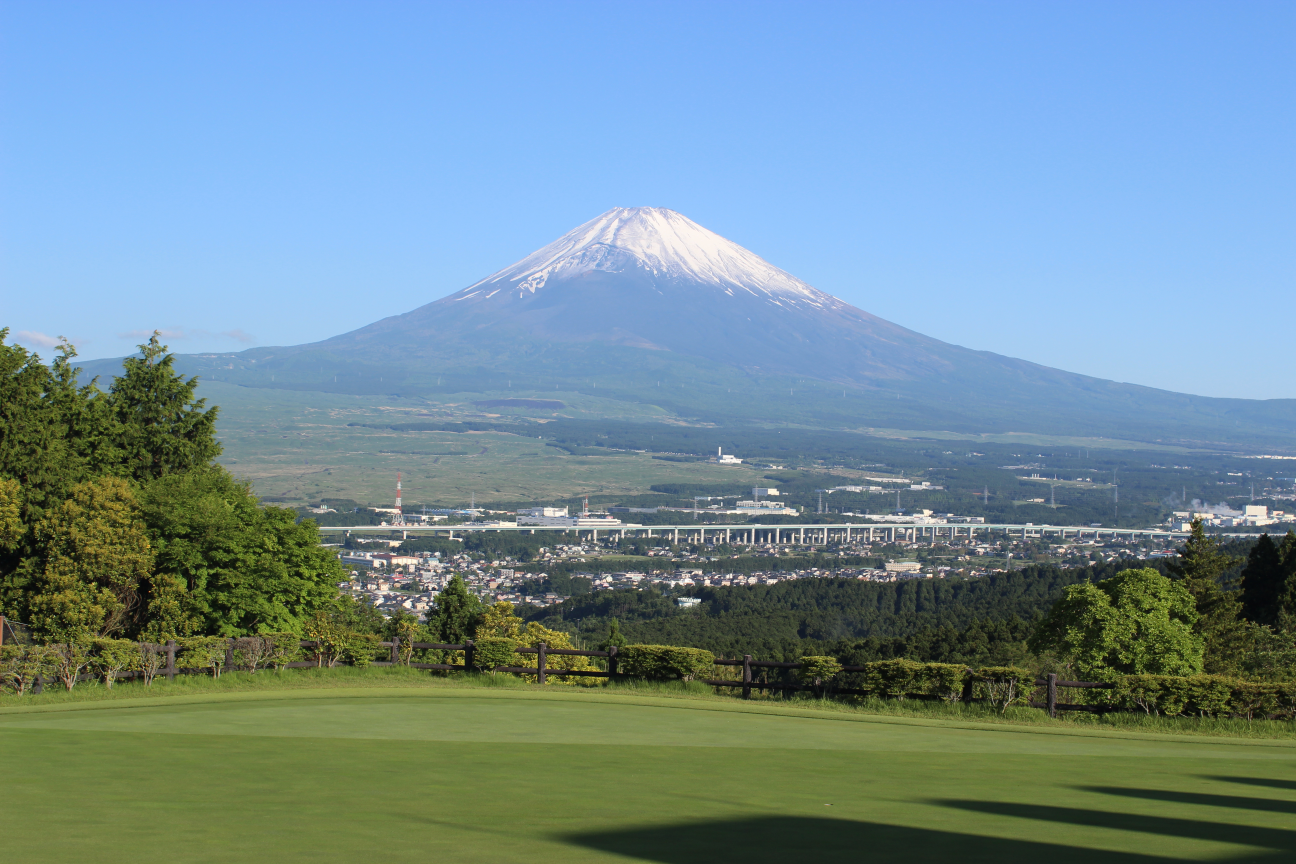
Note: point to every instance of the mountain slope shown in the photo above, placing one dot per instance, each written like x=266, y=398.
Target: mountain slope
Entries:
x=646, y=305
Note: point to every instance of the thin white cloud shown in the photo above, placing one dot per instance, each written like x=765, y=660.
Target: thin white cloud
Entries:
x=176, y=333
x=32, y=337
x=190, y=333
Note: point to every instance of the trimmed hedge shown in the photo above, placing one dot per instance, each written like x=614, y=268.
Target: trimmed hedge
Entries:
x=820, y=670
x=664, y=662
x=491, y=652
x=1201, y=695
x=897, y=679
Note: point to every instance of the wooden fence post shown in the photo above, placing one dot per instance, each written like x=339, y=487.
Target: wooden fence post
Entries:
x=540, y=661
x=1052, y=694
x=747, y=678
x=470, y=651
x=395, y=650
x=171, y=652
x=612, y=661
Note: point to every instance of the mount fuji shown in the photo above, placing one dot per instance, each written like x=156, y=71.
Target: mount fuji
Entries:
x=642, y=304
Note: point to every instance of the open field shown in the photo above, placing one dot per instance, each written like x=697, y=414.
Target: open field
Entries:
x=476, y=775
x=300, y=446
x=297, y=447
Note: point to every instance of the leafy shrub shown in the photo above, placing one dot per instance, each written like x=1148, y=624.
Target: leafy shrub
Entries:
x=1208, y=695
x=819, y=671
x=252, y=651
x=664, y=662
x=338, y=643
x=113, y=656
x=944, y=680
x=21, y=664
x=1203, y=695
x=1154, y=694
x=285, y=648
x=1004, y=685
x=494, y=651
x=893, y=678
x=152, y=659
x=1250, y=700
x=355, y=648
x=533, y=634
x=203, y=652
x=69, y=660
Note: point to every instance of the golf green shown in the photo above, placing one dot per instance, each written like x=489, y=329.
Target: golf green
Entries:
x=501, y=776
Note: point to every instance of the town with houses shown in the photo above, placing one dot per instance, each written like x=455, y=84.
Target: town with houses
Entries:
x=393, y=579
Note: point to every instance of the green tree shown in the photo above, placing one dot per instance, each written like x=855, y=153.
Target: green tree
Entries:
x=1201, y=568
x=533, y=634
x=39, y=445
x=163, y=428
x=454, y=621
x=11, y=526
x=1262, y=582
x=93, y=555
x=499, y=622
x=1287, y=592
x=239, y=569
x=614, y=639
x=1138, y=622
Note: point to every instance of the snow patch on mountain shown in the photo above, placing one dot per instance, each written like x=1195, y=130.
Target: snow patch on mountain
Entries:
x=666, y=244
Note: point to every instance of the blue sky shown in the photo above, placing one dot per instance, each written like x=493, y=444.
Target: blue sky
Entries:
x=1106, y=188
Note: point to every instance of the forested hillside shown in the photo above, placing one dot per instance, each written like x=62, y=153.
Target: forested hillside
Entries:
x=793, y=616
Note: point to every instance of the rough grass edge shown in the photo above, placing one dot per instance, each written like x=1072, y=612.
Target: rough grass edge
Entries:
x=377, y=678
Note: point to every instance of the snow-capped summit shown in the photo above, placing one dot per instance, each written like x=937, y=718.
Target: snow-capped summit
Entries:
x=661, y=242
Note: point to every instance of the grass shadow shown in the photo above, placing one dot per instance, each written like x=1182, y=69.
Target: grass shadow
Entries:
x=782, y=839
x=1255, y=781
x=1278, y=839
x=1268, y=805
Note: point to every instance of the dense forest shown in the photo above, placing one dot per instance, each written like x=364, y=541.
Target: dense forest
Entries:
x=803, y=614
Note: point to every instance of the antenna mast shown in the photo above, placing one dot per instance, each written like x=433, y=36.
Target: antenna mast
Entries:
x=1116, y=495
x=400, y=516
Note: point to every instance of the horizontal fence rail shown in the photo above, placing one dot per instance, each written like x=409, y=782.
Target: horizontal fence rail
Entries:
x=542, y=670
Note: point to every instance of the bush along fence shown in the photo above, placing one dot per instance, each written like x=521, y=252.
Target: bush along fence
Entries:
x=28, y=668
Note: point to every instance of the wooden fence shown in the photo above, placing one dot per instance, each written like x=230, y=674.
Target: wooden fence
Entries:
x=1049, y=685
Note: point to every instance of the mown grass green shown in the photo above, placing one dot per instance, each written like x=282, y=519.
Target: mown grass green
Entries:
x=394, y=768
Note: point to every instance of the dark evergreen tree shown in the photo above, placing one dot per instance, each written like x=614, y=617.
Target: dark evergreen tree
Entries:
x=614, y=638
x=1262, y=582
x=457, y=612
x=1287, y=592
x=1201, y=567
x=163, y=428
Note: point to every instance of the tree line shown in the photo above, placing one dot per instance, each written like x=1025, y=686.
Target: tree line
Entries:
x=1196, y=614
x=115, y=520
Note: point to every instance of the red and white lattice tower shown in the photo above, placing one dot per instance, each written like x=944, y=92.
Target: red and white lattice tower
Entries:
x=400, y=516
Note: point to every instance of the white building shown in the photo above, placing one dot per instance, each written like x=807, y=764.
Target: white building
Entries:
x=556, y=517
x=721, y=459
x=763, y=508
